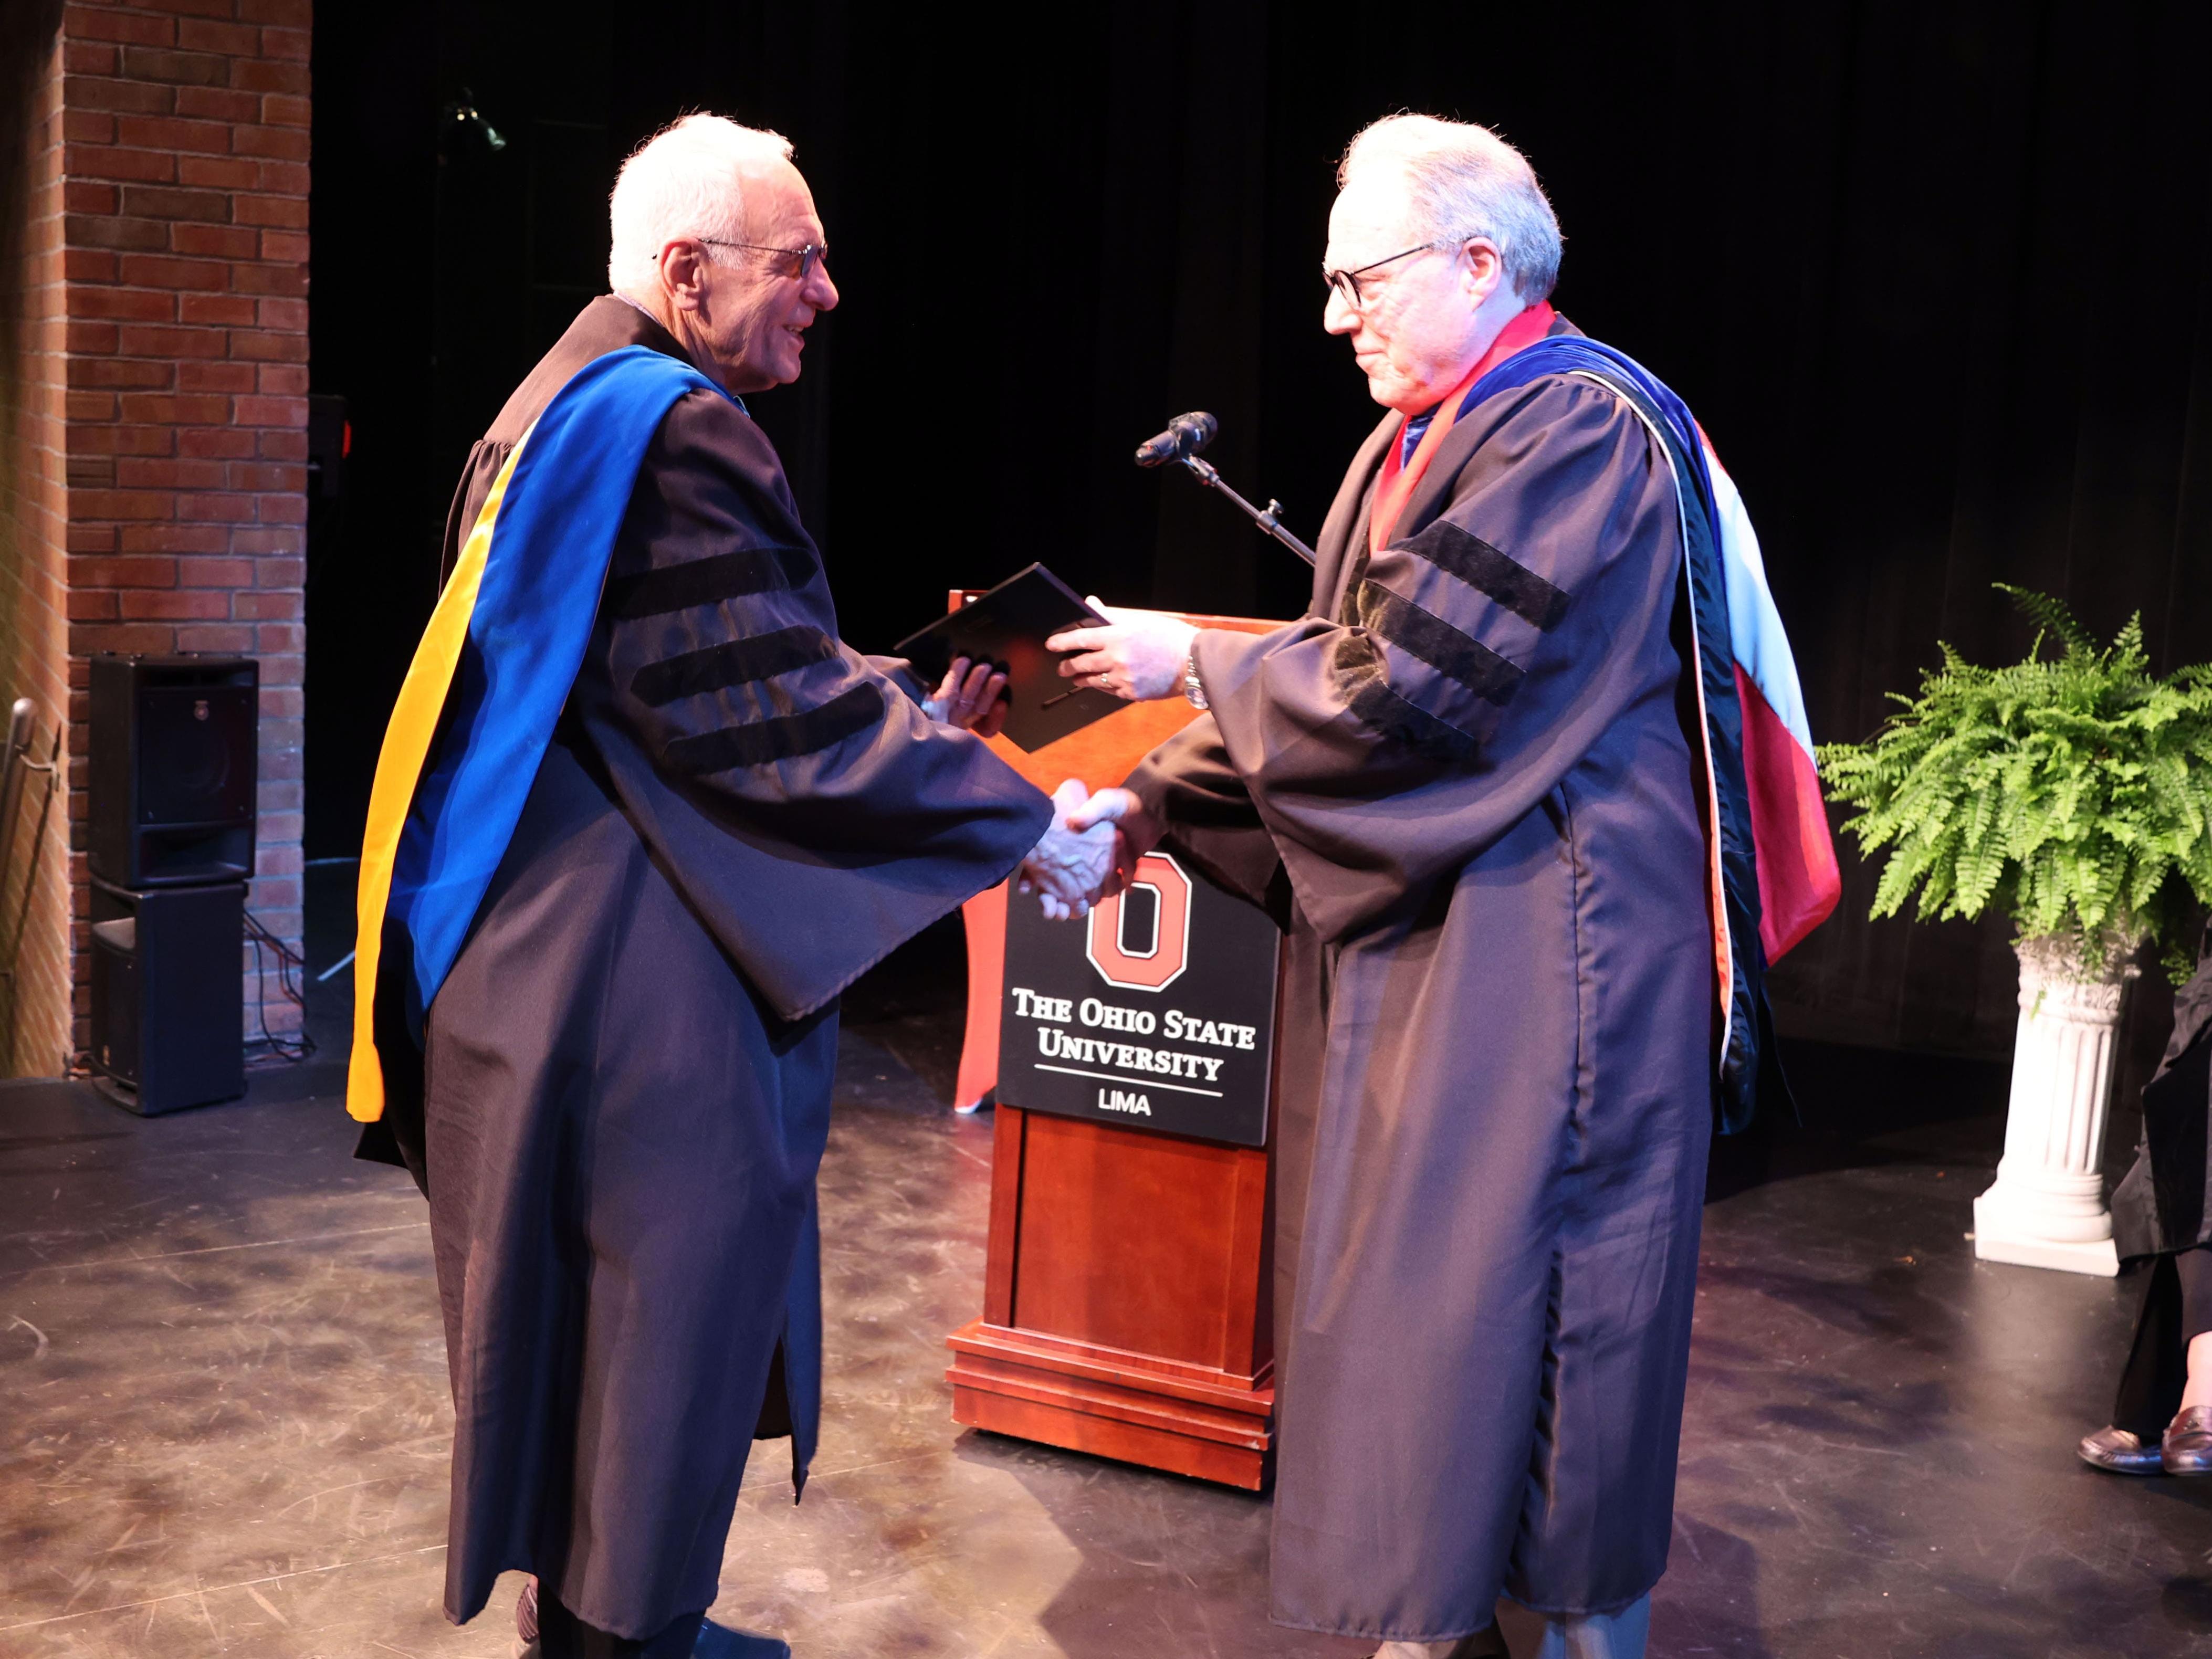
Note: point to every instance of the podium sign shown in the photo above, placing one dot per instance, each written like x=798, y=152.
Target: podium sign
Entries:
x=1157, y=1012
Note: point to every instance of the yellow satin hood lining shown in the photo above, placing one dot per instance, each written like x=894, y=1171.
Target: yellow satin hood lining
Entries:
x=398, y=768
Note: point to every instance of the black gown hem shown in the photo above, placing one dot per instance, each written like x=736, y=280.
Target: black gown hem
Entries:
x=461, y=1620
x=1375, y=1633
x=1368, y=1633
x=1606, y=1610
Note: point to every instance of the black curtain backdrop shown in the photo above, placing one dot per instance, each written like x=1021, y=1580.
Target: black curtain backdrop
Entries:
x=1933, y=278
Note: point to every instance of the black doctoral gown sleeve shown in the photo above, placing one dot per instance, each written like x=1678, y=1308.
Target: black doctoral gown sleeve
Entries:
x=1476, y=660
x=809, y=811
x=1190, y=785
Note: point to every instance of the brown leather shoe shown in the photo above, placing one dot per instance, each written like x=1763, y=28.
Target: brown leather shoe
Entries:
x=2187, y=1449
x=2121, y=1452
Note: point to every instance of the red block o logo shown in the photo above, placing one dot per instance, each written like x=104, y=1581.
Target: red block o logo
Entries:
x=1138, y=964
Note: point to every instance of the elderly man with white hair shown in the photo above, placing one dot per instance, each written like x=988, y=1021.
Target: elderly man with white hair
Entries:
x=641, y=816
x=1493, y=783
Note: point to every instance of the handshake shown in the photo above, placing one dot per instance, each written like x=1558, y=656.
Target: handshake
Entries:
x=1090, y=852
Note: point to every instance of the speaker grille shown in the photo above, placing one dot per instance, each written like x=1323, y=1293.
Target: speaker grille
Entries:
x=200, y=740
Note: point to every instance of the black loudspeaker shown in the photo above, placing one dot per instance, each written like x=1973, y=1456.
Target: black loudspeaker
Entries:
x=174, y=742
x=168, y=999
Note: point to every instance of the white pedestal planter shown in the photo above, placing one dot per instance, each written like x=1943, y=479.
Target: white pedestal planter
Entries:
x=2047, y=1208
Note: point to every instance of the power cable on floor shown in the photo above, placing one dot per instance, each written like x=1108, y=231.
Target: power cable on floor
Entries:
x=291, y=966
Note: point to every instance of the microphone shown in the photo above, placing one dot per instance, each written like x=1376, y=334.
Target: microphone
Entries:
x=1187, y=435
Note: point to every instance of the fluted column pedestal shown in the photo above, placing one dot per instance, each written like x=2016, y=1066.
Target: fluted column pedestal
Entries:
x=2047, y=1208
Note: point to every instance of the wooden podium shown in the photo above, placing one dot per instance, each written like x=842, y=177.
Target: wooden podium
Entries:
x=1126, y=1304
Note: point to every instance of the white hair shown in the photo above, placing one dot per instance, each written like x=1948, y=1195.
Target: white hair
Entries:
x=1465, y=181
x=685, y=180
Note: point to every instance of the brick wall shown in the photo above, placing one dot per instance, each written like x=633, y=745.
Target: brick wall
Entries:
x=182, y=248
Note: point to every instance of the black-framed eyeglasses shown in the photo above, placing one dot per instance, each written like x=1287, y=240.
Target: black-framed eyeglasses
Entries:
x=1346, y=282
x=808, y=256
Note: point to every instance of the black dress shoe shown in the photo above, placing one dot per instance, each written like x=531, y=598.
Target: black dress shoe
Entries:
x=719, y=1641
x=2187, y=1449
x=2120, y=1451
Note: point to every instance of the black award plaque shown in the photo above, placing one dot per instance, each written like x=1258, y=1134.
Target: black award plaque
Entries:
x=1157, y=1012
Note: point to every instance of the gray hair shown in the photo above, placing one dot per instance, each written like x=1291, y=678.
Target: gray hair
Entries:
x=685, y=180
x=1465, y=181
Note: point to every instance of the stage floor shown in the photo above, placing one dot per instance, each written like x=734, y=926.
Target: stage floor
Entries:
x=224, y=1422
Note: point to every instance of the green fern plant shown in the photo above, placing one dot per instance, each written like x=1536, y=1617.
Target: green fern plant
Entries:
x=2074, y=790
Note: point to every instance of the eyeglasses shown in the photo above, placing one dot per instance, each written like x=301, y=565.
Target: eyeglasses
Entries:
x=1346, y=282
x=808, y=256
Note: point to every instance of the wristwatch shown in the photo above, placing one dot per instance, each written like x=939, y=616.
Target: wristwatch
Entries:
x=1194, y=689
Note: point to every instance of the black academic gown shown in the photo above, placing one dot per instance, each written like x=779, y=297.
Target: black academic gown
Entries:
x=625, y=1079
x=1468, y=767
x=2164, y=1206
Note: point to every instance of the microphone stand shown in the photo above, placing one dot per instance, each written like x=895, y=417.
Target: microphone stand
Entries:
x=1204, y=471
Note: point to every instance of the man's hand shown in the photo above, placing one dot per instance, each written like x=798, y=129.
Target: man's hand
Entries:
x=1138, y=654
x=971, y=697
x=1070, y=865
x=1136, y=833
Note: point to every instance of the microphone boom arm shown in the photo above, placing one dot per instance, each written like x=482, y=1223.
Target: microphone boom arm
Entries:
x=1269, y=520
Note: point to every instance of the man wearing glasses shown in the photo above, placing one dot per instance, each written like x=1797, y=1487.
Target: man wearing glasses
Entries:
x=1497, y=770
x=639, y=818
